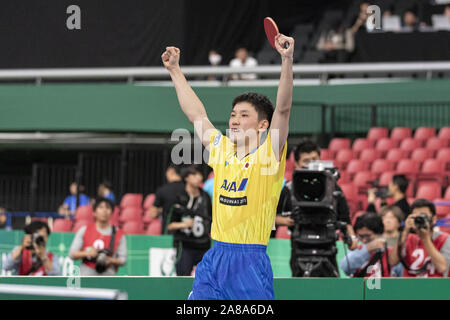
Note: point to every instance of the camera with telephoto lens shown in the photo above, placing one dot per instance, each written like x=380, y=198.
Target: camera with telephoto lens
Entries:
x=101, y=260
x=422, y=221
x=381, y=191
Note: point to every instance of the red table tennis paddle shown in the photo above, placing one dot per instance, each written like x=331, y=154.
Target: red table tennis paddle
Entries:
x=272, y=31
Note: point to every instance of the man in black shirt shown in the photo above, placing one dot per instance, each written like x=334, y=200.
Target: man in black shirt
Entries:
x=166, y=196
x=397, y=190
x=190, y=221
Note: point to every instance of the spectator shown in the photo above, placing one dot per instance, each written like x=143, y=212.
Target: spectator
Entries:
x=397, y=189
x=105, y=191
x=70, y=204
x=191, y=222
x=423, y=251
x=2, y=218
x=361, y=21
x=410, y=20
x=31, y=258
x=371, y=257
x=166, y=196
x=243, y=60
x=214, y=59
x=447, y=11
x=336, y=42
x=392, y=219
x=100, y=245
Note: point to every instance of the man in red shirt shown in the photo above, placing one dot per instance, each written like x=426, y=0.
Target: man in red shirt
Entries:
x=93, y=243
x=423, y=251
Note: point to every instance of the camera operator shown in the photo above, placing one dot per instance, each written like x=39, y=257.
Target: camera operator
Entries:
x=191, y=222
x=422, y=251
x=371, y=257
x=306, y=152
x=397, y=190
x=31, y=258
x=101, y=246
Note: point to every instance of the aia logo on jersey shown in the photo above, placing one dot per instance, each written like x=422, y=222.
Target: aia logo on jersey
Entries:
x=232, y=186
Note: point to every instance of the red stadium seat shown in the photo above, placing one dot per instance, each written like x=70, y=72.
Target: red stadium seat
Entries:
x=447, y=194
x=290, y=165
x=154, y=228
x=444, y=133
x=408, y=167
x=130, y=214
x=444, y=156
x=433, y=169
x=361, y=181
x=429, y=191
x=337, y=144
x=386, y=178
x=410, y=144
x=351, y=194
x=131, y=200
x=355, y=166
x=424, y=133
x=421, y=154
x=370, y=155
x=80, y=223
x=386, y=144
x=377, y=133
x=150, y=198
x=62, y=225
x=400, y=133
x=282, y=233
x=379, y=166
x=441, y=209
x=435, y=144
x=395, y=155
x=361, y=144
x=326, y=154
x=84, y=213
x=133, y=227
x=115, y=216
x=343, y=157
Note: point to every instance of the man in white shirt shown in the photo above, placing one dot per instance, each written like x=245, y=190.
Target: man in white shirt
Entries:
x=243, y=60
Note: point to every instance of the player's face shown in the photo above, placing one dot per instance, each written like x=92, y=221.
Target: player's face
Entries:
x=306, y=158
x=244, y=124
x=103, y=212
x=365, y=235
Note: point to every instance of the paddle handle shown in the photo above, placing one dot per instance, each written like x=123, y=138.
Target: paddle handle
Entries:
x=286, y=45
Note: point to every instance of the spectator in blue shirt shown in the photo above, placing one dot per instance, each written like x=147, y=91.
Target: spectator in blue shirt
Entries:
x=69, y=205
x=105, y=191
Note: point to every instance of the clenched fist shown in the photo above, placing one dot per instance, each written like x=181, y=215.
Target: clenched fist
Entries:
x=171, y=57
x=280, y=40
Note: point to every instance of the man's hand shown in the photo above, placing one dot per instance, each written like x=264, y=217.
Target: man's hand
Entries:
x=171, y=58
x=377, y=244
x=280, y=40
x=189, y=223
x=91, y=253
x=285, y=221
x=26, y=241
x=409, y=223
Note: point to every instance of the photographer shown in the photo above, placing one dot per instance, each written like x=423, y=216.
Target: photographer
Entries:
x=371, y=257
x=397, y=190
x=191, y=222
x=422, y=251
x=101, y=246
x=31, y=258
x=306, y=152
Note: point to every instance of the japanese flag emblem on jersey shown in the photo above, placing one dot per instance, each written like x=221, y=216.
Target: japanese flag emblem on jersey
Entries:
x=246, y=166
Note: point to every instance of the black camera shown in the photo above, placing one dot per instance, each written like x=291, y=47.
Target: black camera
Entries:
x=314, y=211
x=101, y=260
x=381, y=191
x=38, y=239
x=422, y=221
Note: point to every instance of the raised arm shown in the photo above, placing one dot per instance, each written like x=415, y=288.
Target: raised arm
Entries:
x=189, y=102
x=280, y=120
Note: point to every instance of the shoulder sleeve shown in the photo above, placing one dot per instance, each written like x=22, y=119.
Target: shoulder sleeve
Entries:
x=77, y=243
x=218, y=145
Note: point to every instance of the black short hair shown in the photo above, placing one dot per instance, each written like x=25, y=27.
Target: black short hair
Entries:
x=371, y=221
x=305, y=146
x=261, y=103
x=174, y=167
x=35, y=226
x=107, y=184
x=106, y=200
x=191, y=169
x=423, y=203
x=401, y=182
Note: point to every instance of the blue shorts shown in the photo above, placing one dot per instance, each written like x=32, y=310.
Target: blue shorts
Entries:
x=232, y=271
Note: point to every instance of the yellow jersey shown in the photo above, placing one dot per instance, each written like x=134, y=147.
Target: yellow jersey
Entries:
x=246, y=191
